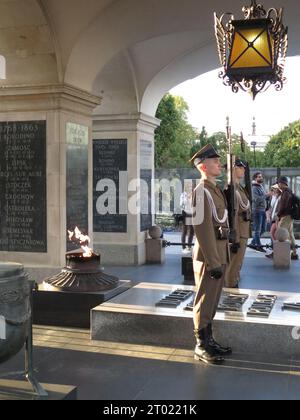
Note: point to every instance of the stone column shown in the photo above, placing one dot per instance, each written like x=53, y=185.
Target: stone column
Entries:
x=124, y=143
x=45, y=133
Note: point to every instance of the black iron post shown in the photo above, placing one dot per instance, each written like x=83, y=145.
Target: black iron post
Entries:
x=253, y=144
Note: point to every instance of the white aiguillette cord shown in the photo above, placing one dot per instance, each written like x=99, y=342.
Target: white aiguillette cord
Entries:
x=242, y=205
x=214, y=210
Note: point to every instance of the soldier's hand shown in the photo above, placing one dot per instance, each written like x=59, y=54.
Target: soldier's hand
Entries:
x=234, y=248
x=216, y=273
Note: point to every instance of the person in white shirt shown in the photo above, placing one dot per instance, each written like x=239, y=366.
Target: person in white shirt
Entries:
x=272, y=213
x=187, y=225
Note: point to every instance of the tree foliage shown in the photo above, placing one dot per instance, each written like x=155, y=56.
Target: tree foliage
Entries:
x=175, y=136
x=283, y=150
x=220, y=143
x=176, y=141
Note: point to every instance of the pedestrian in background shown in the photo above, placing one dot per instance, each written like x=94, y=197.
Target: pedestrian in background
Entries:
x=187, y=223
x=272, y=214
x=285, y=219
x=259, y=205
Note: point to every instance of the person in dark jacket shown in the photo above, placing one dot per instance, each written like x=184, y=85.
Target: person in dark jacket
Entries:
x=284, y=214
x=259, y=205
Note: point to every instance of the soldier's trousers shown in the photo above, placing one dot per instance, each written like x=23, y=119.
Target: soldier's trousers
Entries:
x=208, y=293
x=232, y=276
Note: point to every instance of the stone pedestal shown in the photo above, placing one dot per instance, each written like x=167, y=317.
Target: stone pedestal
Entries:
x=282, y=254
x=46, y=180
x=124, y=165
x=187, y=270
x=155, y=251
x=67, y=309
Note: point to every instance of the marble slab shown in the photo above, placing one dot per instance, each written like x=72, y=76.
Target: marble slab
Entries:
x=134, y=317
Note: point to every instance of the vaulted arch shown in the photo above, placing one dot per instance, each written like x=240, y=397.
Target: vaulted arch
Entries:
x=133, y=50
x=27, y=43
x=165, y=43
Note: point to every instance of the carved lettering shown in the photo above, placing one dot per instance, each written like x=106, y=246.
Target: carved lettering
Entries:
x=77, y=179
x=110, y=159
x=23, y=206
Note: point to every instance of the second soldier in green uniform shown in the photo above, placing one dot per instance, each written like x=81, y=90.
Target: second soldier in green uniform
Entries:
x=242, y=227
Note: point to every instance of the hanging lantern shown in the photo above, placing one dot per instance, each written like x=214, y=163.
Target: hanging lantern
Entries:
x=252, y=51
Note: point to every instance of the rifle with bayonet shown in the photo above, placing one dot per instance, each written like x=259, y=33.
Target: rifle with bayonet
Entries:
x=248, y=183
x=230, y=189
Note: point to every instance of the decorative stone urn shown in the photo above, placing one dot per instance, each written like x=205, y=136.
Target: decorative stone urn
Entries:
x=155, y=232
x=15, y=311
x=282, y=249
x=282, y=235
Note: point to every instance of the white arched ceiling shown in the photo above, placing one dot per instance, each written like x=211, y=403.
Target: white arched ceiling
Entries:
x=164, y=42
x=37, y=37
x=127, y=23
x=26, y=43
x=205, y=58
x=117, y=87
x=123, y=82
x=69, y=20
x=130, y=52
x=185, y=68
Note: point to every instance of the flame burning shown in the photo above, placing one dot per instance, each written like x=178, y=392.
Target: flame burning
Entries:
x=83, y=240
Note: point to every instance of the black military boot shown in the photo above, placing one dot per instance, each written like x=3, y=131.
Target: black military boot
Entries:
x=222, y=351
x=204, y=351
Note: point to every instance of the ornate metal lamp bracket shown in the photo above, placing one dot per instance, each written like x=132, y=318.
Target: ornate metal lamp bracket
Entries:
x=260, y=81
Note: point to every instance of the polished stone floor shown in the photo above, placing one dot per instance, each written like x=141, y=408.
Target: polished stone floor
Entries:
x=116, y=371
x=110, y=371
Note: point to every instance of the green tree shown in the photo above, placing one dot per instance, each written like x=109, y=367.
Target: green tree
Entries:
x=255, y=161
x=176, y=141
x=201, y=141
x=218, y=140
x=283, y=150
x=175, y=137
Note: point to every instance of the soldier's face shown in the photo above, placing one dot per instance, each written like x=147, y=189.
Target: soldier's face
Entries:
x=213, y=167
x=239, y=172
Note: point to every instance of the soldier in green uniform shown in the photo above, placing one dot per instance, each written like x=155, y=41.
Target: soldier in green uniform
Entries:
x=211, y=253
x=242, y=227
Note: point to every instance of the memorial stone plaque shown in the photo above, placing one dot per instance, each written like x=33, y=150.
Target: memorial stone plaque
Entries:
x=146, y=184
x=23, y=200
x=77, y=180
x=110, y=158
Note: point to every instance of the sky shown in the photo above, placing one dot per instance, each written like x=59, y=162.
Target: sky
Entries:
x=210, y=102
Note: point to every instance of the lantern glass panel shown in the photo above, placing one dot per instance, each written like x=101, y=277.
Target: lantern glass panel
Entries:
x=251, y=48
